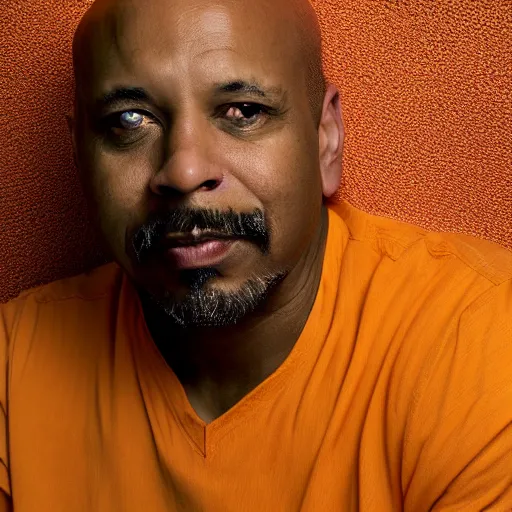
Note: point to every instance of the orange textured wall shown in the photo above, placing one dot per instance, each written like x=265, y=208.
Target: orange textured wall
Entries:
x=427, y=93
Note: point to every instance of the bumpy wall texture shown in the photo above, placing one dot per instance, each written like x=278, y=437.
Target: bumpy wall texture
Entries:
x=427, y=93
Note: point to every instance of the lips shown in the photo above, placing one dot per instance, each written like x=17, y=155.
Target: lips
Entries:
x=189, y=252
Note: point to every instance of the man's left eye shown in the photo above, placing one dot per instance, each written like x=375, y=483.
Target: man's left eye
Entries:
x=244, y=113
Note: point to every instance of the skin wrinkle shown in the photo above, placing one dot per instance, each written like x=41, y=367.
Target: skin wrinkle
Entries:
x=190, y=154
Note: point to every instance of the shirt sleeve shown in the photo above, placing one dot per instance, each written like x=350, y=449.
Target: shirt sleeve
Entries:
x=4, y=351
x=459, y=441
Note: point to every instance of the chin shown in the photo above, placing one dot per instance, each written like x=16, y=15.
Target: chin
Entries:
x=203, y=299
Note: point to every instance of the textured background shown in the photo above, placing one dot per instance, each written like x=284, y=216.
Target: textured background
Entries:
x=427, y=93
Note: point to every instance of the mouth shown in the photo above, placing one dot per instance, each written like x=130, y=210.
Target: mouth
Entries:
x=172, y=240
x=197, y=250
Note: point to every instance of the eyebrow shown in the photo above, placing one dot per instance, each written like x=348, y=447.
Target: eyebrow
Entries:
x=248, y=88
x=122, y=94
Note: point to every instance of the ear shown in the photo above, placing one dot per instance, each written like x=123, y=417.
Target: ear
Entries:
x=331, y=135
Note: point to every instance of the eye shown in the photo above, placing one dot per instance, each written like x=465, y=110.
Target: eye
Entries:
x=131, y=120
x=244, y=114
x=126, y=127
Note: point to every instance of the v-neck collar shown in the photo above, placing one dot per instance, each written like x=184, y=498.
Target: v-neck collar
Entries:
x=166, y=397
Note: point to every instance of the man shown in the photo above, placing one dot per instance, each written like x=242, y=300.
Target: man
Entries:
x=253, y=349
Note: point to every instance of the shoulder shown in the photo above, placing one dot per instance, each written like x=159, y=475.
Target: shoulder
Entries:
x=443, y=297
x=63, y=295
x=67, y=326
x=441, y=304
x=407, y=243
x=87, y=286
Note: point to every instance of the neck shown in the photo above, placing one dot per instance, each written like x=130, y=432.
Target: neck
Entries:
x=219, y=366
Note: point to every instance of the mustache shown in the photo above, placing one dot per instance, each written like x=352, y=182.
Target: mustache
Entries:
x=251, y=226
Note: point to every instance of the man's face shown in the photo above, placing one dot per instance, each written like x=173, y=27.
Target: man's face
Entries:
x=199, y=151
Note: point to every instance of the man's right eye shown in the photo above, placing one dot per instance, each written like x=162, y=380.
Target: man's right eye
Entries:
x=126, y=127
x=131, y=120
x=128, y=120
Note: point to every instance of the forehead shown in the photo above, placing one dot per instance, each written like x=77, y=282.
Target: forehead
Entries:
x=186, y=43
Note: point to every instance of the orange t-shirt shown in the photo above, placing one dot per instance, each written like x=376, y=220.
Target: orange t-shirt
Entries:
x=397, y=395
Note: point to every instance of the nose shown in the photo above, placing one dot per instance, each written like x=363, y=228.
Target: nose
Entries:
x=188, y=164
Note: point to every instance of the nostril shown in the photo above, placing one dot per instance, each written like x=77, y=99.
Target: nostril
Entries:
x=210, y=184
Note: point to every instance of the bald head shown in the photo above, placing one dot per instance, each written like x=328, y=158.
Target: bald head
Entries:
x=210, y=109
x=291, y=26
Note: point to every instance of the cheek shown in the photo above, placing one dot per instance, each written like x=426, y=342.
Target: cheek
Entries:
x=295, y=214
x=117, y=186
x=285, y=177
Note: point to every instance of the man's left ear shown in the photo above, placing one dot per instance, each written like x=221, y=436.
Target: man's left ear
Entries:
x=331, y=135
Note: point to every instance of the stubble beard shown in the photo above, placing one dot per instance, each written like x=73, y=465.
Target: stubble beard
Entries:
x=206, y=305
